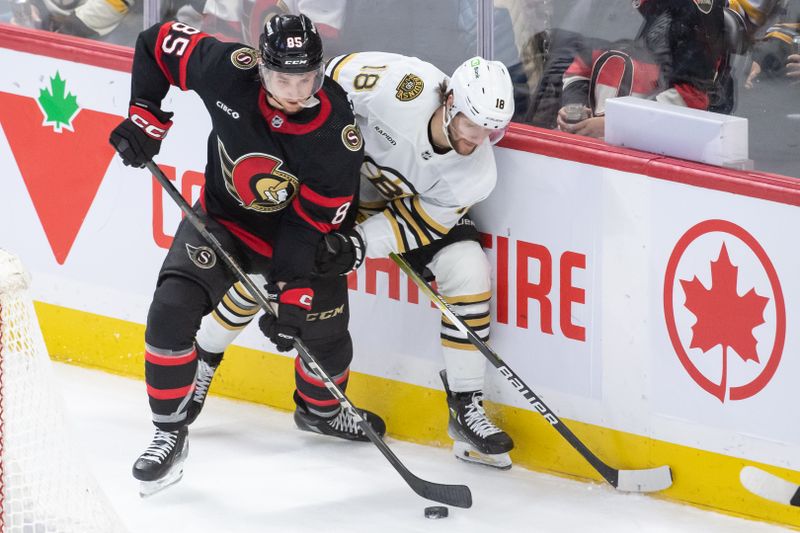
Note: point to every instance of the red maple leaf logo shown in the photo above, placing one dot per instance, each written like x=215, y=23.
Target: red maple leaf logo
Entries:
x=723, y=317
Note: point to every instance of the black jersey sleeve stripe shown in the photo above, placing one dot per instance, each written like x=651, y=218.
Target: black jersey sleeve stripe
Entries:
x=399, y=234
x=413, y=205
x=419, y=233
x=409, y=237
x=429, y=221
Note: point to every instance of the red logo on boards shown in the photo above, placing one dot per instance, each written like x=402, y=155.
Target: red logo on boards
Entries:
x=62, y=152
x=724, y=310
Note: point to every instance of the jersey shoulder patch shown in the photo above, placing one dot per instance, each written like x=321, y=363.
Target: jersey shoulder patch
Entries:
x=410, y=87
x=351, y=137
x=244, y=58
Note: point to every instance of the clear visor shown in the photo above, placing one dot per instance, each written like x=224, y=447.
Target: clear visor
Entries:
x=465, y=129
x=292, y=87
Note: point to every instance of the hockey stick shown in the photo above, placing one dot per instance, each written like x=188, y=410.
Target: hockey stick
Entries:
x=770, y=486
x=455, y=495
x=645, y=480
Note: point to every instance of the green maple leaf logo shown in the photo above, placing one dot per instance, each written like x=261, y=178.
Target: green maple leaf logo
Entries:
x=59, y=108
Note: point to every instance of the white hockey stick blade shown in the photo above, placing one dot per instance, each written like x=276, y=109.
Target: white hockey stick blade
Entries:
x=769, y=486
x=647, y=480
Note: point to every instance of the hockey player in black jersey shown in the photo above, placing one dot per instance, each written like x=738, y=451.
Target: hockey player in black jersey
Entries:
x=283, y=169
x=426, y=164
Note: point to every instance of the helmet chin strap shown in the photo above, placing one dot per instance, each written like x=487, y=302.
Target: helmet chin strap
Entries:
x=311, y=101
x=446, y=120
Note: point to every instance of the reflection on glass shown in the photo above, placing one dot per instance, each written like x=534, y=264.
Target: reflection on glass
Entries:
x=433, y=31
x=767, y=82
x=111, y=21
x=726, y=56
x=729, y=56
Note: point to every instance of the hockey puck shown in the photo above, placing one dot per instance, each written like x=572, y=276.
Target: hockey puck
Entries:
x=436, y=511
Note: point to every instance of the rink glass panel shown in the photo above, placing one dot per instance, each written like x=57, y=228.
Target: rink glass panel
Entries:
x=110, y=21
x=537, y=39
x=534, y=38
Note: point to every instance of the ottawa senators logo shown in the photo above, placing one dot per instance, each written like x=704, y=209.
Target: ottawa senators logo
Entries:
x=202, y=256
x=351, y=137
x=409, y=87
x=244, y=58
x=257, y=182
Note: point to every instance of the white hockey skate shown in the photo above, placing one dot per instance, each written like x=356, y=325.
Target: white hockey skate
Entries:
x=475, y=438
x=161, y=465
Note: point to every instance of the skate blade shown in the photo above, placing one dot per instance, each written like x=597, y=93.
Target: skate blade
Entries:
x=467, y=453
x=148, y=488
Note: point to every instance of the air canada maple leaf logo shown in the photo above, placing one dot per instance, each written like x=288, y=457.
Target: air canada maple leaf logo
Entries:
x=723, y=317
x=727, y=309
x=62, y=153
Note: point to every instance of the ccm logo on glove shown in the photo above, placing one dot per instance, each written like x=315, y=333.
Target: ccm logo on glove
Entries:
x=148, y=122
x=300, y=297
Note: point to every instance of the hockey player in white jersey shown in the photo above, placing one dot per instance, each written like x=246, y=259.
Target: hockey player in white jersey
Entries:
x=428, y=159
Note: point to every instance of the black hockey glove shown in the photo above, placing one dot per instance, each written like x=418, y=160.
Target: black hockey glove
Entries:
x=294, y=303
x=339, y=254
x=138, y=137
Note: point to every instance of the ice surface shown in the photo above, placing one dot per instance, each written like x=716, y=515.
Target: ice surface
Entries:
x=250, y=470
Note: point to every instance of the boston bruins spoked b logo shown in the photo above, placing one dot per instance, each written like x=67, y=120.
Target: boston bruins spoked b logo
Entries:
x=257, y=182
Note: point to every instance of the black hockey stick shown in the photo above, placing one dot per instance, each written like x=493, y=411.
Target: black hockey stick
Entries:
x=455, y=495
x=645, y=480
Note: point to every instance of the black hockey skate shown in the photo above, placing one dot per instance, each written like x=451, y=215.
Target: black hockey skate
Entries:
x=161, y=465
x=341, y=425
x=475, y=438
x=207, y=364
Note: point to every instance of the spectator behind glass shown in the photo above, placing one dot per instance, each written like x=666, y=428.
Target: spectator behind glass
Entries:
x=242, y=20
x=531, y=21
x=770, y=98
x=775, y=55
x=793, y=64
x=576, y=22
x=673, y=59
x=106, y=20
x=520, y=41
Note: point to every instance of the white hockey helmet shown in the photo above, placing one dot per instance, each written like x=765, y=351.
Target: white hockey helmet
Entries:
x=483, y=91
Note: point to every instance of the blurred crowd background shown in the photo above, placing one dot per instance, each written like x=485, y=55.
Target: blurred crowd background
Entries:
x=566, y=57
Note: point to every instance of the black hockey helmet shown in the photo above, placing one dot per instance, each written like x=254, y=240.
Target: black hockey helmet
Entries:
x=290, y=44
